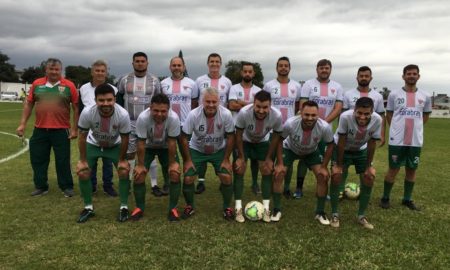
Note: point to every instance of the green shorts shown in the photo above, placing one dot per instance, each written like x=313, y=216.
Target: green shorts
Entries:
x=311, y=159
x=199, y=159
x=408, y=156
x=93, y=153
x=256, y=151
x=163, y=157
x=357, y=158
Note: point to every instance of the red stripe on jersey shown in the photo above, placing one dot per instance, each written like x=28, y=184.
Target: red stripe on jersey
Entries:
x=247, y=94
x=284, y=114
x=324, y=89
x=215, y=83
x=284, y=90
x=322, y=113
x=361, y=133
x=411, y=99
x=306, y=137
x=176, y=87
x=177, y=109
x=409, y=123
x=210, y=125
x=363, y=94
x=259, y=126
x=104, y=124
x=158, y=131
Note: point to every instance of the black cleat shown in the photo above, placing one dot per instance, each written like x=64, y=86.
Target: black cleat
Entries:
x=123, y=215
x=228, y=214
x=157, y=191
x=165, y=190
x=137, y=214
x=411, y=205
x=85, y=215
x=384, y=203
x=287, y=194
x=188, y=212
x=200, y=188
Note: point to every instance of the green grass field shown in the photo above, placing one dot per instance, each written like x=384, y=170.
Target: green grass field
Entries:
x=41, y=233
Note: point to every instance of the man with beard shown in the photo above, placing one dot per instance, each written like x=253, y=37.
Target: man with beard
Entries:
x=355, y=143
x=157, y=129
x=408, y=109
x=242, y=94
x=135, y=93
x=222, y=84
x=104, y=130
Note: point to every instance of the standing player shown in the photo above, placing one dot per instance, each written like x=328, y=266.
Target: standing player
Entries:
x=286, y=97
x=355, y=140
x=157, y=129
x=104, y=130
x=212, y=129
x=222, y=84
x=135, y=93
x=242, y=94
x=408, y=109
x=253, y=125
x=328, y=94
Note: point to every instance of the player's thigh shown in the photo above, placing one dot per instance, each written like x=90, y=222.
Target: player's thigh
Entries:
x=413, y=157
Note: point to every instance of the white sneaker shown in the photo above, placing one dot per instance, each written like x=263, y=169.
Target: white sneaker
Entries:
x=365, y=223
x=266, y=215
x=276, y=216
x=322, y=218
x=239, y=216
x=334, y=221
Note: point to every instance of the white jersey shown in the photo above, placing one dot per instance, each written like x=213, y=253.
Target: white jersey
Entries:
x=351, y=96
x=256, y=130
x=304, y=142
x=156, y=134
x=407, y=121
x=238, y=92
x=180, y=93
x=284, y=96
x=325, y=94
x=87, y=94
x=223, y=85
x=357, y=136
x=208, y=134
x=104, y=131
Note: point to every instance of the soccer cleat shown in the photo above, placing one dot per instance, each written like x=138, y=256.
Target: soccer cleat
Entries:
x=157, y=191
x=85, y=215
x=365, y=223
x=188, y=212
x=137, y=214
x=123, y=215
x=287, y=194
x=94, y=189
x=276, y=215
x=68, y=193
x=165, y=190
x=228, y=214
x=322, y=218
x=384, y=203
x=173, y=215
x=39, y=192
x=298, y=194
x=334, y=221
x=200, y=188
x=256, y=190
x=110, y=191
x=239, y=216
x=266, y=215
x=411, y=205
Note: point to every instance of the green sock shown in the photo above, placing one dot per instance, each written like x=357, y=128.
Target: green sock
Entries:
x=188, y=192
x=255, y=169
x=174, y=194
x=407, y=190
x=302, y=169
x=139, y=195
x=287, y=178
x=124, y=189
x=343, y=181
x=320, y=207
x=334, y=198
x=86, y=191
x=227, y=194
x=387, y=189
x=364, y=199
x=238, y=184
x=266, y=186
x=277, y=200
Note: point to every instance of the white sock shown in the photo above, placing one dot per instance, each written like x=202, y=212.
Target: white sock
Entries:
x=89, y=206
x=154, y=173
x=132, y=164
x=201, y=179
x=266, y=204
x=123, y=206
x=238, y=204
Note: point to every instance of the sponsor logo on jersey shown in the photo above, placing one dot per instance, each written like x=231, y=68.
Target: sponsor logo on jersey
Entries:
x=409, y=112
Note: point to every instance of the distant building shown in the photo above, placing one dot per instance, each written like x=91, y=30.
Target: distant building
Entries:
x=440, y=102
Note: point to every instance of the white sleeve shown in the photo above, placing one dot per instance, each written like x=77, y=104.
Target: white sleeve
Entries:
x=83, y=121
x=229, y=123
x=233, y=94
x=328, y=134
x=340, y=94
x=346, y=103
x=343, y=125
x=390, y=102
x=427, y=106
x=240, y=119
x=305, y=92
x=125, y=127
x=188, y=125
x=299, y=92
x=286, y=128
x=174, y=127
x=195, y=92
x=141, y=129
x=377, y=134
x=379, y=105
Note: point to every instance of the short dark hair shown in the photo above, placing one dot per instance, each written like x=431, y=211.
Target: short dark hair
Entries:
x=310, y=103
x=139, y=54
x=409, y=67
x=284, y=58
x=324, y=62
x=160, y=99
x=263, y=96
x=214, y=55
x=175, y=57
x=245, y=63
x=364, y=102
x=104, y=88
x=364, y=68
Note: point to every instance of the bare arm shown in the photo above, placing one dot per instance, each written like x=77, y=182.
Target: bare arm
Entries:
x=172, y=149
x=123, y=146
x=194, y=103
x=27, y=109
x=426, y=116
x=389, y=117
x=82, y=145
x=240, y=143
x=76, y=115
x=341, y=149
x=371, y=144
x=327, y=155
x=236, y=105
x=140, y=152
x=383, y=130
x=230, y=146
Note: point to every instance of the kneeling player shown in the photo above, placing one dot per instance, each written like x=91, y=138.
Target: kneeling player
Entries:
x=356, y=143
x=104, y=130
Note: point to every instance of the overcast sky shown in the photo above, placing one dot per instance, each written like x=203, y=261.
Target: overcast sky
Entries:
x=385, y=35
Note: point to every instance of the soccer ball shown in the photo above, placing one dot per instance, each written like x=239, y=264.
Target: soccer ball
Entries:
x=254, y=210
x=351, y=191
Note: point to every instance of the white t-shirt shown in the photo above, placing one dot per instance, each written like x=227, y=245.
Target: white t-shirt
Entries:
x=304, y=142
x=325, y=94
x=351, y=96
x=104, y=131
x=256, y=130
x=237, y=92
x=208, y=134
x=87, y=94
x=357, y=136
x=407, y=121
x=284, y=96
x=156, y=134
x=223, y=85
x=180, y=93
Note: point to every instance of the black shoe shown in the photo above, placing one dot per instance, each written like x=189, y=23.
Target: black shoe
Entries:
x=94, y=189
x=287, y=194
x=173, y=215
x=157, y=191
x=188, y=212
x=200, y=188
x=110, y=191
x=410, y=204
x=39, y=192
x=123, y=215
x=165, y=190
x=228, y=214
x=137, y=214
x=256, y=190
x=384, y=203
x=85, y=215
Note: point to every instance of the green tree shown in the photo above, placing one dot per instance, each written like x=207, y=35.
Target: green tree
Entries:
x=79, y=75
x=32, y=73
x=233, y=73
x=385, y=92
x=7, y=70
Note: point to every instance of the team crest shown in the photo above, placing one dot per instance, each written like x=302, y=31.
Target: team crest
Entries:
x=394, y=158
x=316, y=139
x=61, y=89
x=420, y=101
x=333, y=90
x=292, y=91
x=114, y=126
x=219, y=126
x=222, y=86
